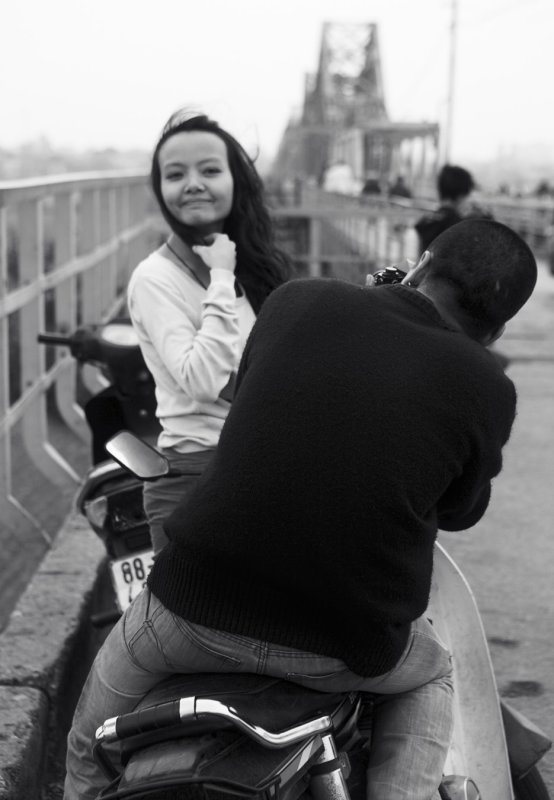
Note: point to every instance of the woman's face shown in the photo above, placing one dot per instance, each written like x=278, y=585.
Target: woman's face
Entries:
x=196, y=180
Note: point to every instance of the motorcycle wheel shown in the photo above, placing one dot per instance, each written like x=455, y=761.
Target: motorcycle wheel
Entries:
x=530, y=786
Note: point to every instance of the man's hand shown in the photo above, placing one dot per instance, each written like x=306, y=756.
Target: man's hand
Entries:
x=220, y=253
x=369, y=280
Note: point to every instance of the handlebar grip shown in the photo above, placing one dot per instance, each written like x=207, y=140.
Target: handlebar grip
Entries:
x=50, y=338
x=149, y=719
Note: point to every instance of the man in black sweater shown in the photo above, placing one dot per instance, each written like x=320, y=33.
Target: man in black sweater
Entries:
x=455, y=185
x=365, y=419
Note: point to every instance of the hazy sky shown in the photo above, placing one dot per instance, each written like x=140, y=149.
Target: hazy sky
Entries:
x=109, y=72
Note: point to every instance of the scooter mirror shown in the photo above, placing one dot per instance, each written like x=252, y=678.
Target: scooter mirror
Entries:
x=137, y=456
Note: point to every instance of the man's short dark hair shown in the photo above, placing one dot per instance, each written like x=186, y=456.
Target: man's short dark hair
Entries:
x=454, y=182
x=490, y=268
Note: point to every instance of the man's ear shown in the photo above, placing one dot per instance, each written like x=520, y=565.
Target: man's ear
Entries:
x=415, y=275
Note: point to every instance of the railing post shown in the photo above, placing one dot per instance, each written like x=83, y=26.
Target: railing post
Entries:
x=35, y=426
x=314, y=238
x=124, y=216
x=89, y=213
x=109, y=230
x=381, y=249
x=108, y=237
x=371, y=239
x=91, y=284
x=8, y=510
x=137, y=211
x=65, y=237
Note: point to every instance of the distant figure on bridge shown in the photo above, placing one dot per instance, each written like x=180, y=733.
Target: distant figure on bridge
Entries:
x=364, y=420
x=194, y=300
x=399, y=188
x=455, y=185
x=372, y=185
x=339, y=178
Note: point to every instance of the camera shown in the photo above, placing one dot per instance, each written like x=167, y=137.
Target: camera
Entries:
x=388, y=275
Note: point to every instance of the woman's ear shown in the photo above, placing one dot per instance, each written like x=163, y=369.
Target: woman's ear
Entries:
x=415, y=275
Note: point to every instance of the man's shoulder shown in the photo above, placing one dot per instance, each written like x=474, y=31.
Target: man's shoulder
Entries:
x=306, y=288
x=481, y=372
x=307, y=301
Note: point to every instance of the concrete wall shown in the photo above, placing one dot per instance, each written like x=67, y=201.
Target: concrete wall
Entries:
x=45, y=653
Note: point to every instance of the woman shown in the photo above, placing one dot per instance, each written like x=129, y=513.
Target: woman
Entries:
x=194, y=300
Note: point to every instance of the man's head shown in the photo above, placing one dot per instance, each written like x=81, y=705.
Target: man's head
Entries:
x=454, y=183
x=478, y=272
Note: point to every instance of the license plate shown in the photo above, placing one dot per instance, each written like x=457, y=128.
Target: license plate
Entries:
x=129, y=576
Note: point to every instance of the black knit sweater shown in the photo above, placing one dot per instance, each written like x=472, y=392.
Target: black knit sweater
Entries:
x=362, y=423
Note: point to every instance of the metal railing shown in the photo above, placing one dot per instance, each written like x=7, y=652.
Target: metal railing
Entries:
x=67, y=246
x=348, y=236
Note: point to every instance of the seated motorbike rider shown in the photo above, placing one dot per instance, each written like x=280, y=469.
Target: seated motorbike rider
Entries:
x=365, y=419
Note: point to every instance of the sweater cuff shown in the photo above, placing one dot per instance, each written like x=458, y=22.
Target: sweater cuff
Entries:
x=223, y=276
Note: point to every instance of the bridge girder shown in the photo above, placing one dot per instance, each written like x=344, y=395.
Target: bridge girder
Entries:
x=347, y=89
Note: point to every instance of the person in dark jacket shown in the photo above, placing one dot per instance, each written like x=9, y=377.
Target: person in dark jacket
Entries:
x=365, y=419
x=454, y=185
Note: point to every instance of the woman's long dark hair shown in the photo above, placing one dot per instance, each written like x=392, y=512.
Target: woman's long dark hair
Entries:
x=261, y=265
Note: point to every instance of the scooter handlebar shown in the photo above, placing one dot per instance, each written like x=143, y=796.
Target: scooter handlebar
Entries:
x=84, y=343
x=50, y=338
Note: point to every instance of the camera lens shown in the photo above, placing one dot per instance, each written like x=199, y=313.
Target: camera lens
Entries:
x=388, y=275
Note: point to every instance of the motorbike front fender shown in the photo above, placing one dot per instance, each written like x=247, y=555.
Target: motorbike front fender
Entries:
x=478, y=750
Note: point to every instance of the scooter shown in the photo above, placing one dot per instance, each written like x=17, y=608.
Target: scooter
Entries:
x=110, y=498
x=204, y=736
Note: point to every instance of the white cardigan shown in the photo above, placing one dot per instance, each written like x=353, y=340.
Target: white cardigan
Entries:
x=192, y=340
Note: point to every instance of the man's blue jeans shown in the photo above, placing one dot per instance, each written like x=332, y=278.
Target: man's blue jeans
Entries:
x=411, y=730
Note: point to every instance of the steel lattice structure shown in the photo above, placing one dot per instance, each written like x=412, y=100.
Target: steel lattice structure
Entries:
x=348, y=86
x=344, y=116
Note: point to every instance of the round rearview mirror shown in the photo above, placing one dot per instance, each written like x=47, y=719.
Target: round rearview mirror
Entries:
x=137, y=456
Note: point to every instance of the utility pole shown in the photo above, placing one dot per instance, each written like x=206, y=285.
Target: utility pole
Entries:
x=451, y=81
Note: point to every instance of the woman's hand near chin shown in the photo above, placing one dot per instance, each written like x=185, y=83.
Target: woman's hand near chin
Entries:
x=220, y=253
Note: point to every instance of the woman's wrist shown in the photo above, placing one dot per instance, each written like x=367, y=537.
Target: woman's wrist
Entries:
x=218, y=275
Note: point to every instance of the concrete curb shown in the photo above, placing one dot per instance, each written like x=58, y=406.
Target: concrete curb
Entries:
x=45, y=653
